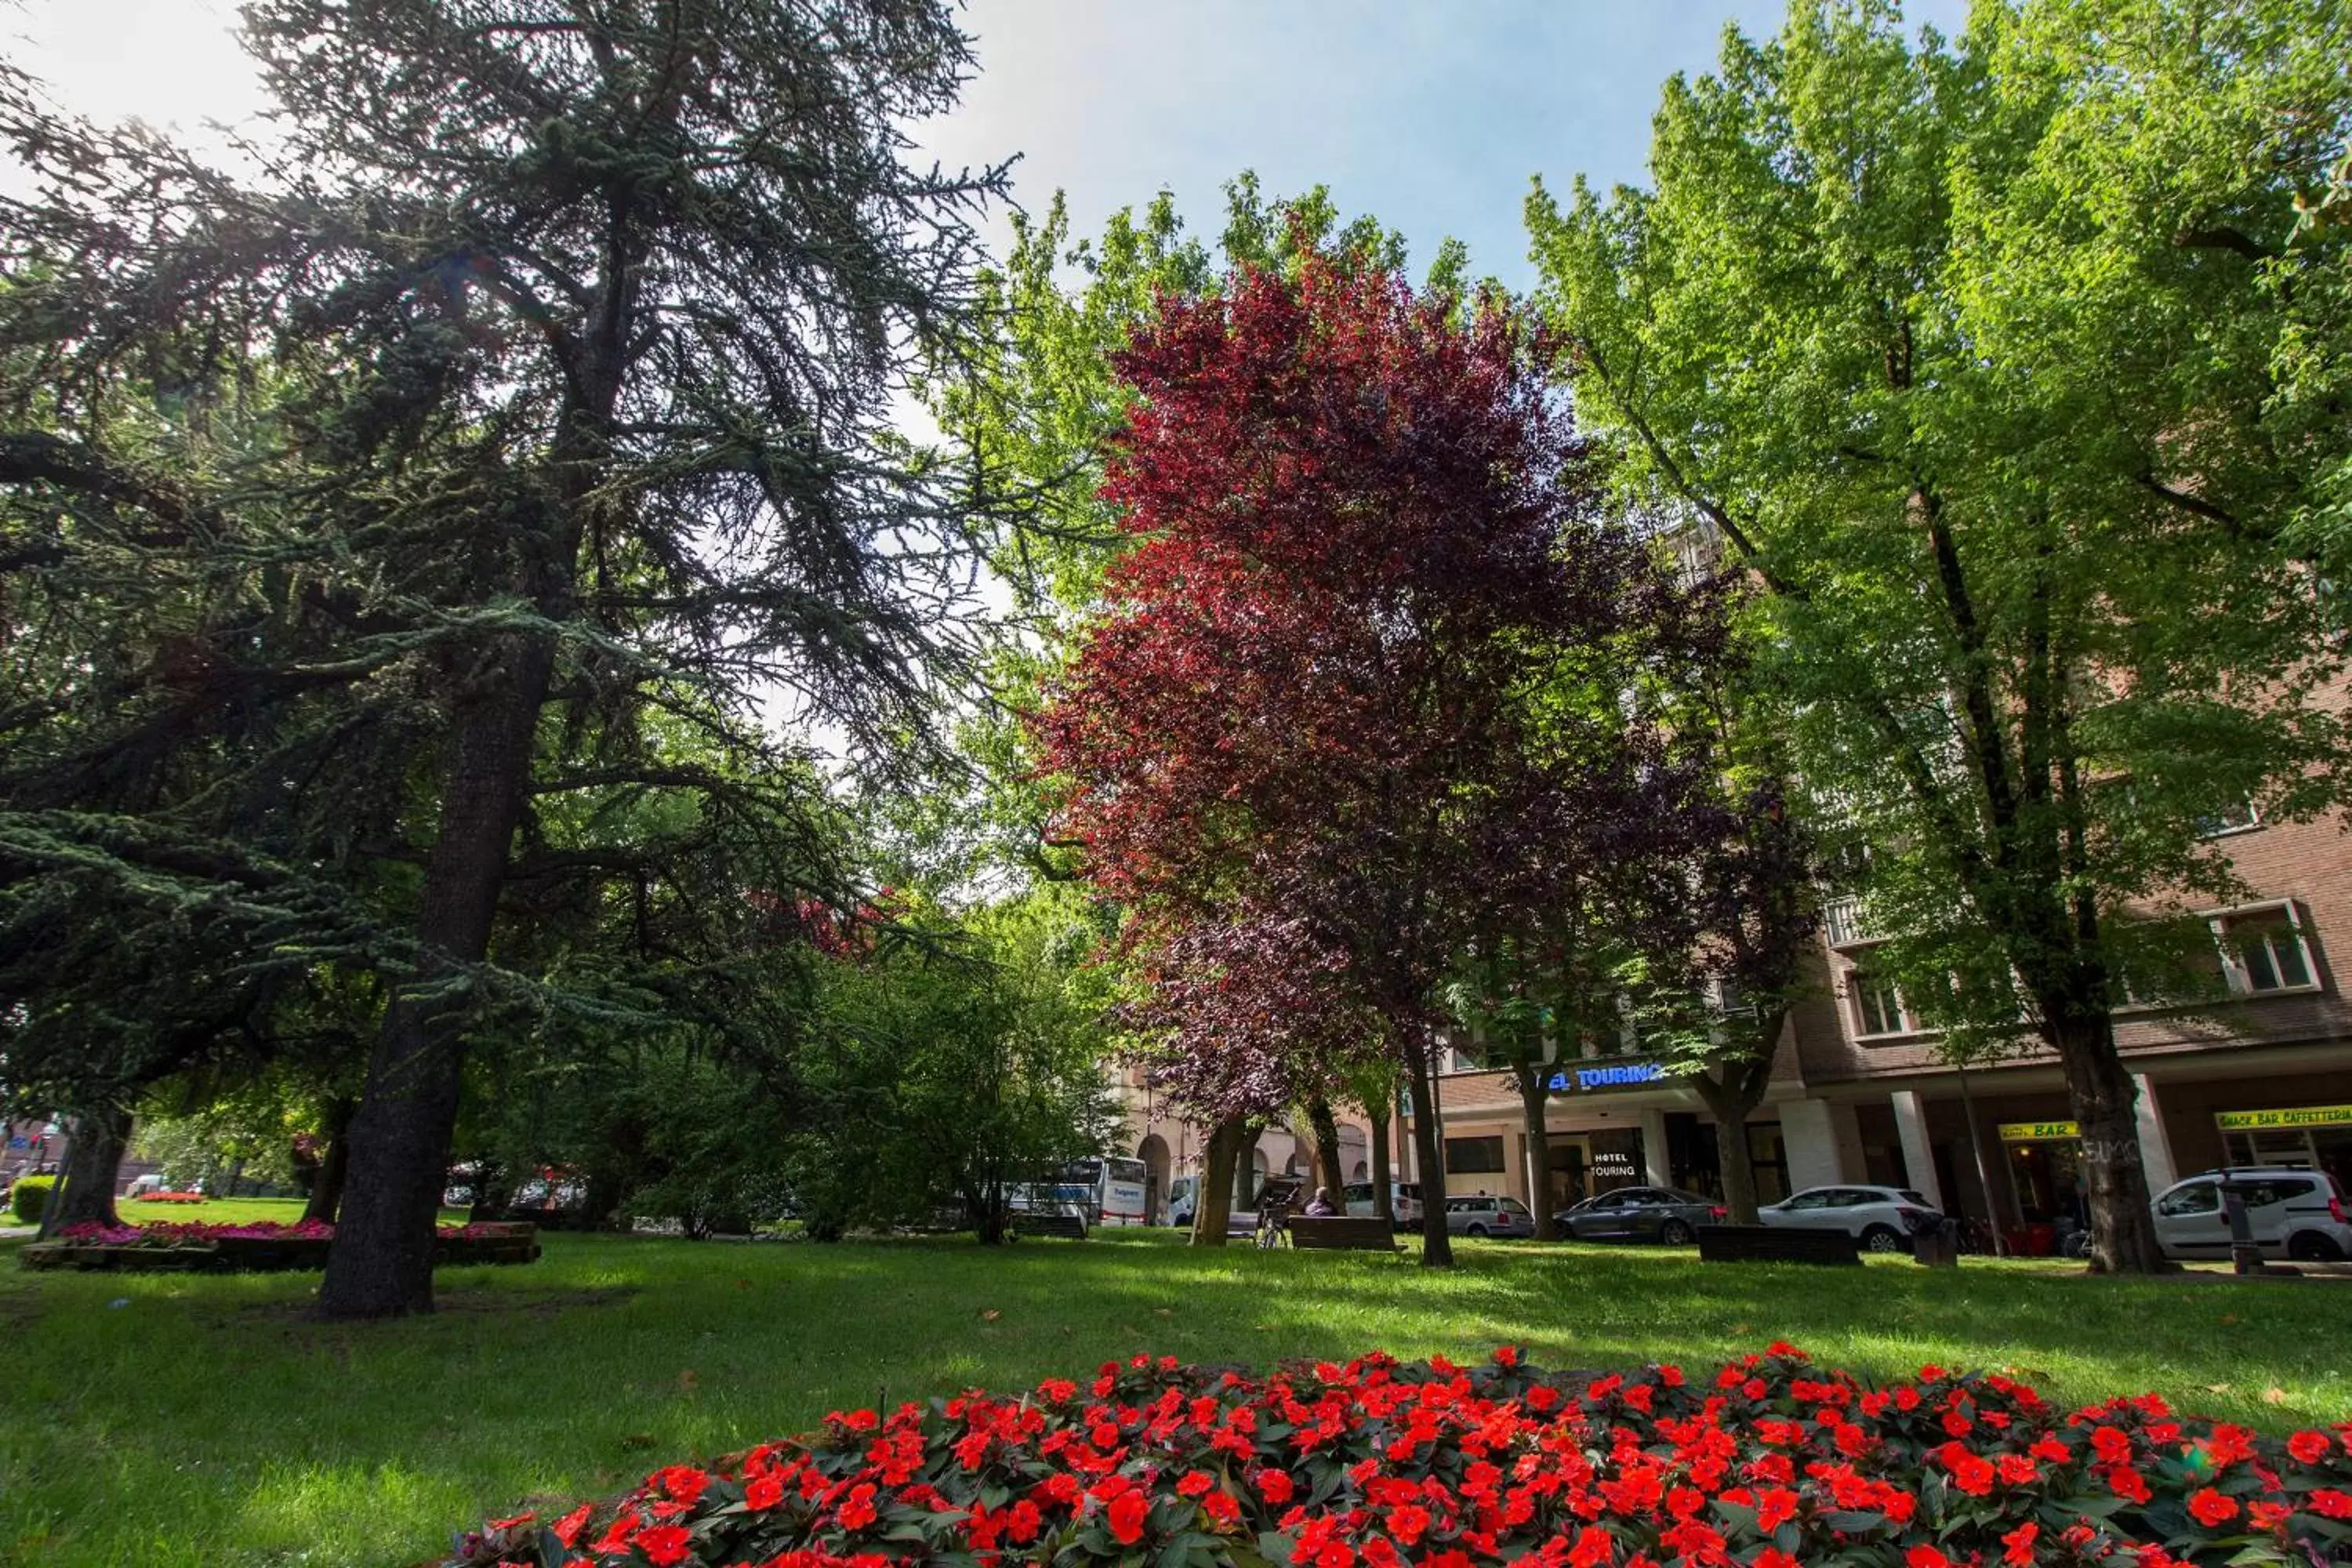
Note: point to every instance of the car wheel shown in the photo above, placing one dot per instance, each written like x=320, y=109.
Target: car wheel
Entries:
x=1883, y=1238
x=2310, y=1246
x=1476, y=1230
x=1675, y=1233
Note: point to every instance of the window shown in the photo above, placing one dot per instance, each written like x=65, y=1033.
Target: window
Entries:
x=1813, y=1198
x=2263, y=950
x=2239, y=818
x=2198, y=1197
x=1878, y=1006
x=1475, y=1156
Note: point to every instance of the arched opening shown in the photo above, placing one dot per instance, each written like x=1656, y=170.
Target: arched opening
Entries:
x=1153, y=1152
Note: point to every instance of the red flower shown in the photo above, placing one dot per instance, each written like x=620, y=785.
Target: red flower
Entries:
x=1126, y=1517
x=1409, y=1524
x=2210, y=1507
x=763, y=1492
x=1925, y=1556
x=664, y=1545
x=2020, y=1542
x=1275, y=1486
x=1023, y=1521
x=2128, y=1484
x=858, y=1512
x=1194, y=1482
x=567, y=1528
x=680, y=1483
x=1775, y=1506
x=2310, y=1447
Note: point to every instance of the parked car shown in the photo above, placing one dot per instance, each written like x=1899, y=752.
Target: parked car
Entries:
x=1884, y=1219
x=1404, y=1200
x=1182, y=1191
x=2291, y=1214
x=1640, y=1213
x=1489, y=1217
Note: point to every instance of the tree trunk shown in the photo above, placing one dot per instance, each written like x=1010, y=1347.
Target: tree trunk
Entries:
x=1328, y=1160
x=380, y=1265
x=1739, y=1164
x=2123, y=1231
x=334, y=1165
x=1245, y=1185
x=1436, y=1241
x=87, y=1192
x=1535, y=1101
x=1213, y=1201
x=1377, y=1116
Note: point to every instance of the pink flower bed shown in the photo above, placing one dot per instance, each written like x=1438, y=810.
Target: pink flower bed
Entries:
x=1767, y=1462
x=195, y=1233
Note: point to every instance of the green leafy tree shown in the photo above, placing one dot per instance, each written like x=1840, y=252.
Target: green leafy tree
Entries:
x=2027, y=660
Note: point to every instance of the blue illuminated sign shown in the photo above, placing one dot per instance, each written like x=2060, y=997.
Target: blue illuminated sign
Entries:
x=1605, y=1076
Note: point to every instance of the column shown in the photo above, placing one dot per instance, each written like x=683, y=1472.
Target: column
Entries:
x=1919, y=1154
x=1823, y=1143
x=1656, y=1169
x=2155, y=1143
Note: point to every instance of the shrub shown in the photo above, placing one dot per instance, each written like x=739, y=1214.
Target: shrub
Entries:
x=29, y=1198
x=1768, y=1462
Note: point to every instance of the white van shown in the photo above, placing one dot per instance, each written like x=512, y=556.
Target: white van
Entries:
x=1404, y=1200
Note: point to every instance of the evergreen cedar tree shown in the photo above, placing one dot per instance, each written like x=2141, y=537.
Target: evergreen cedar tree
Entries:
x=562, y=341
x=1356, y=692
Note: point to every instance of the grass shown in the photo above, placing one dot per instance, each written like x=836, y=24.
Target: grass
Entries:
x=176, y=1419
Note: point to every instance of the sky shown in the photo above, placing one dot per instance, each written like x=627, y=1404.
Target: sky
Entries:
x=1429, y=114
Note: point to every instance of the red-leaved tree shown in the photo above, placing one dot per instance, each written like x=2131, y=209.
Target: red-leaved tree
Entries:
x=1365, y=662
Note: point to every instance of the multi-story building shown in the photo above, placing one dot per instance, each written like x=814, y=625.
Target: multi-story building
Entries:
x=1859, y=1092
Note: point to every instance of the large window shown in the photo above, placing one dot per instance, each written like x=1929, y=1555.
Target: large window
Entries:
x=2264, y=951
x=1878, y=1006
x=1475, y=1156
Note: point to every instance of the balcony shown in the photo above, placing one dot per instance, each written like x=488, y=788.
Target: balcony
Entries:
x=1842, y=923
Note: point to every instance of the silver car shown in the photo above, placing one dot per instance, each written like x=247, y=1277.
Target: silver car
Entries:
x=1884, y=1219
x=1489, y=1217
x=2290, y=1213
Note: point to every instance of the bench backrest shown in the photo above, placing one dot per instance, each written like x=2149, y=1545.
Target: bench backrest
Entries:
x=1345, y=1232
x=1776, y=1244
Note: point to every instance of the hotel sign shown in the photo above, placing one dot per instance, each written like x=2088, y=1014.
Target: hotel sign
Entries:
x=2038, y=1131
x=2301, y=1116
x=1611, y=1075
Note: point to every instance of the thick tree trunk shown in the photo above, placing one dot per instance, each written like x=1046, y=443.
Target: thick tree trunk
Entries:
x=87, y=1195
x=1331, y=1168
x=1377, y=1116
x=1535, y=1102
x=1245, y=1185
x=1737, y=1162
x=380, y=1265
x=334, y=1165
x=1213, y=1201
x=1436, y=1241
x=2123, y=1231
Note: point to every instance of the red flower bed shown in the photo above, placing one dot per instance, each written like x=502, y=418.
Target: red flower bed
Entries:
x=169, y=1198
x=1768, y=1463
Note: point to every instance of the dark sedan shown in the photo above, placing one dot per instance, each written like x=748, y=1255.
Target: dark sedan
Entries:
x=1640, y=1213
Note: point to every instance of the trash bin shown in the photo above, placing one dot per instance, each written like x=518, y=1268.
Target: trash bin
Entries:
x=1939, y=1248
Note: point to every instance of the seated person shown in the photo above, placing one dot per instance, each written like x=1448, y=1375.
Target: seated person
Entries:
x=1321, y=1208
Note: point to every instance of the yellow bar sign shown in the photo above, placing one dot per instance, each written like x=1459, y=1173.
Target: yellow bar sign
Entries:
x=2301, y=1116
x=2038, y=1131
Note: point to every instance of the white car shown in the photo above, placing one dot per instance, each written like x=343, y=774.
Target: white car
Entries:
x=1484, y=1215
x=1404, y=1200
x=1884, y=1219
x=2291, y=1214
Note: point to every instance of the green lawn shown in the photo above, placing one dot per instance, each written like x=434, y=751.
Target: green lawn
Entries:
x=177, y=1419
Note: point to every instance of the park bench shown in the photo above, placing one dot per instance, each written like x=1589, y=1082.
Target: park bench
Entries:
x=1343, y=1233
x=1070, y=1227
x=1776, y=1244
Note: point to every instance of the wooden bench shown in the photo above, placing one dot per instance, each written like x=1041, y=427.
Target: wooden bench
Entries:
x=1070, y=1227
x=1777, y=1243
x=1343, y=1233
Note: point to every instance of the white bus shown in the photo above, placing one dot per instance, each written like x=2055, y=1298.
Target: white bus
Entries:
x=1108, y=1189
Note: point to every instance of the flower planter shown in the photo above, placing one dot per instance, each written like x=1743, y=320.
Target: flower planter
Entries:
x=257, y=1249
